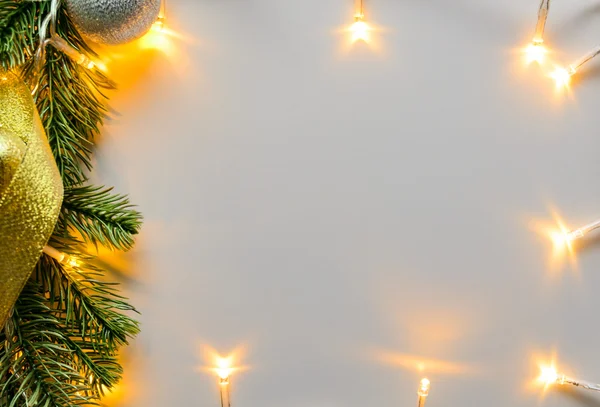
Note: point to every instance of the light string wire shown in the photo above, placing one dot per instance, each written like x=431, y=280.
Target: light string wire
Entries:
x=423, y=392
x=60, y=257
x=582, y=231
x=577, y=64
x=224, y=390
x=52, y=38
x=580, y=383
x=562, y=75
x=538, y=37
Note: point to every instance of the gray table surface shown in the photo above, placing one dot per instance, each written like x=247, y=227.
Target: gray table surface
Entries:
x=342, y=215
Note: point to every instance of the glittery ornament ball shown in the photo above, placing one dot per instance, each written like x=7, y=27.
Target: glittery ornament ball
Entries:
x=113, y=22
x=31, y=189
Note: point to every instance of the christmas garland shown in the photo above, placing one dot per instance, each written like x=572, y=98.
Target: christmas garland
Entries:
x=60, y=338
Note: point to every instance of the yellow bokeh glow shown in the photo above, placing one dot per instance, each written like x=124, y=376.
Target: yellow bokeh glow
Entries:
x=421, y=364
x=424, y=387
x=159, y=38
x=224, y=367
x=535, y=52
x=548, y=375
x=360, y=31
x=562, y=77
x=562, y=240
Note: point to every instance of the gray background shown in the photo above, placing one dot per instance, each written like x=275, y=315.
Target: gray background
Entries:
x=341, y=214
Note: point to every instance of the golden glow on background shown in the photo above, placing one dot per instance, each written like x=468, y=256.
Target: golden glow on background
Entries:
x=222, y=365
x=360, y=30
x=421, y=364
x=539, y=54
x=535, y=52
x=424, y=387
x=360, y=33
x=126, y=64
x=547, y=373
x=556, y=232
x=562, y=77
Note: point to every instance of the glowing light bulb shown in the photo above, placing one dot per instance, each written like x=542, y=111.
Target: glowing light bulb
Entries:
x=360, y=29
x=535, y=52
x=223, y=373
x=424, y=387
x=224, y=370
x=566, y=237
x=423, y=391
x=548, y=375
x=159, y=24
x=71, y=261
x=562, y=76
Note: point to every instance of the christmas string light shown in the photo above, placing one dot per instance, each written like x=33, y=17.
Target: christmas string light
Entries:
x=567, y=237
x=536, y=50
x=562, y=76
x=161, y=20
x=423, y=392
x=49, y=24
x=538, y=37
x=62, y=258
x=224, y=371
x=360, y=29
x=51, y=38
x=224, y=390
x=550, y=376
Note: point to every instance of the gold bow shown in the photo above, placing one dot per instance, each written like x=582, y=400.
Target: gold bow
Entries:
x=31, y=189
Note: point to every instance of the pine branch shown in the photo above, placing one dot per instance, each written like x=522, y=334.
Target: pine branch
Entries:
x=87, y=305
x=100, y=217
x=16, y=44
x=36, y=368
x=68, y=325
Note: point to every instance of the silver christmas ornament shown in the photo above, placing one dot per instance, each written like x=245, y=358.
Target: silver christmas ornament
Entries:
x=113, y=22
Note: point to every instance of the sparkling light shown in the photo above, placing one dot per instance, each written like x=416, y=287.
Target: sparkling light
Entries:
x=424, y=387
x=360, y=29
x=535, y=52
x=157, y=38
x=562, y=239
x=72, y=261
x=224, y=367
x=562, y=77
x=548, y=375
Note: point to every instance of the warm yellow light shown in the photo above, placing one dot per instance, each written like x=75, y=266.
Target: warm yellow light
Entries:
x=360, y=29
x=424, y=387
x=563, y=239
x=159, y=38
x=224, y=368
x=72, y=261
x=562, y=77
x=560, y=239
x=535, y=52
x=158, y=25
x=548, y=375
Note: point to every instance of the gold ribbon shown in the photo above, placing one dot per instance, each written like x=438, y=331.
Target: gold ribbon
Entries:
x=31, y=189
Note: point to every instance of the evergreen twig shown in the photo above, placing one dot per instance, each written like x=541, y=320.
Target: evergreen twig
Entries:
x=100, y=217
x=60, y=347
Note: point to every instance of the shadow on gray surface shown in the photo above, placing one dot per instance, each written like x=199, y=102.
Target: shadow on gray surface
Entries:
x=581, y=397
x=588, y=242
x=590, y=72
x=580, y=21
